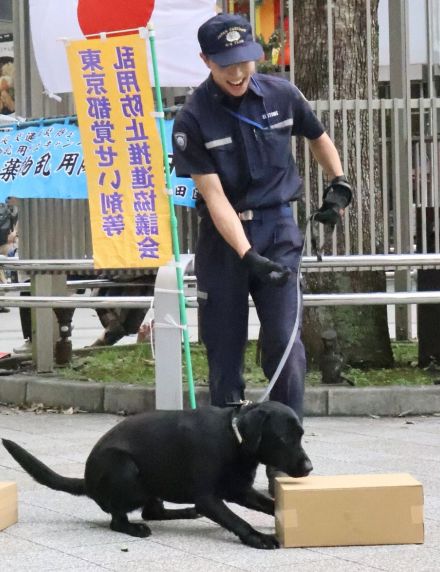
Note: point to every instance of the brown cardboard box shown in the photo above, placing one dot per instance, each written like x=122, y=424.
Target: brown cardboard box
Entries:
x=349, y=510
x=8, y=504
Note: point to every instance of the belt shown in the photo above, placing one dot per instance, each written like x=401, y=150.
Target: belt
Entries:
x=266, y=213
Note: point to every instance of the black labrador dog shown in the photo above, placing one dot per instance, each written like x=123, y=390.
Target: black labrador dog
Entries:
x=202, y=457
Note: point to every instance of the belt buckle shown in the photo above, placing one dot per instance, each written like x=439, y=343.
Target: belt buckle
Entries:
x=246, y=215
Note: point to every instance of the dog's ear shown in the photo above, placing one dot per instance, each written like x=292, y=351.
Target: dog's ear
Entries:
x=250, y=425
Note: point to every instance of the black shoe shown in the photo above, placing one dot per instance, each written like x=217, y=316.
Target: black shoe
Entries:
x=4, y=310
x=272, y=473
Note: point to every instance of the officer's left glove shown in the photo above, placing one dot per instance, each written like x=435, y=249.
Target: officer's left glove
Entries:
x=337, y=196
x=265, y=269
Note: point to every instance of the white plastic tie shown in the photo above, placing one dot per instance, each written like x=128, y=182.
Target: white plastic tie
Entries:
x=170, y=323
x=143, y=33
x=168, y=291
x=52, y=95
x=174, y=264
x=158, y=114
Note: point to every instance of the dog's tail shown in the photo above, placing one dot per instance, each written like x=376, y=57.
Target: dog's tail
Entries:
x=41, y=473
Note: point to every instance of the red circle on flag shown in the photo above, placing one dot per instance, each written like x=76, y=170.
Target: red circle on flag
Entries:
x=95, y=16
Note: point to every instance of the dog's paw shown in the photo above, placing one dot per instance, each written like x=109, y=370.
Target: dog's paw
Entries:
x=140, y=530
x=260, y=540
x=133, y=529
x=190, y=513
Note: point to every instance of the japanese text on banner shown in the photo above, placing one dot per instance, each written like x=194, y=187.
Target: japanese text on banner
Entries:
x=129, y=208
x=42, y=162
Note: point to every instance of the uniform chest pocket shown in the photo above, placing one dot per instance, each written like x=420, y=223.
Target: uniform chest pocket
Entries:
x=226, y=157
x=276, y=146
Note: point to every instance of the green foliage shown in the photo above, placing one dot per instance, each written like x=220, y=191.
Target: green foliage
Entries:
x=135, y=364
x=266, y=66
x=127, y=364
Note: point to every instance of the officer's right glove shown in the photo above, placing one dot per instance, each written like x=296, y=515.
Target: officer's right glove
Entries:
x=265, y=269
x=337, y=196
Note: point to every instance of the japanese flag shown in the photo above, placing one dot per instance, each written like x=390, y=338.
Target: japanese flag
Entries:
x=175, y=21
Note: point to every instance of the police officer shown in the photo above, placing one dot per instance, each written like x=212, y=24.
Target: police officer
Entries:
x=233, y=137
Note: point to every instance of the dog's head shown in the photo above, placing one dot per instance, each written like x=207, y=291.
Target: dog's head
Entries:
x=272, y=433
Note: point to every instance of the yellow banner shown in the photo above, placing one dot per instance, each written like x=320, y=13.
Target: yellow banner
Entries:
x=129, y=209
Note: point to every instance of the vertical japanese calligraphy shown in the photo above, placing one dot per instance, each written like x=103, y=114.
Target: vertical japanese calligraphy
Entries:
x=122, y=153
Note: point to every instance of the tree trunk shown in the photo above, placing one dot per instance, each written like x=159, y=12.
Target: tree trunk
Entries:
x=362, y=331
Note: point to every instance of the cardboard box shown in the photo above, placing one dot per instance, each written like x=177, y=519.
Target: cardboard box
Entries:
x=8, y=504
x=349, y=510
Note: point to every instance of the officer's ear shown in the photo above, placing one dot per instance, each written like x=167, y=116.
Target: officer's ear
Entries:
x=205, y=59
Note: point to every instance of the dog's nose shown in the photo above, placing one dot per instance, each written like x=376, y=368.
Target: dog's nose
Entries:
x=307, y=467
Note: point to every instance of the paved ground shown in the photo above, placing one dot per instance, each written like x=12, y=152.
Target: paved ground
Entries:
x=60, y=532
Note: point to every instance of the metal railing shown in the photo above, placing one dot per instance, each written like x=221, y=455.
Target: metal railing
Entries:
x=384, y=262
x=168, y=350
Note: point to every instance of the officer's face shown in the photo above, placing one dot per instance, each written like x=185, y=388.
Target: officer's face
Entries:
x=233, y=80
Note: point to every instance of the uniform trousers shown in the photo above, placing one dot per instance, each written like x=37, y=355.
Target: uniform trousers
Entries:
x=224, y=285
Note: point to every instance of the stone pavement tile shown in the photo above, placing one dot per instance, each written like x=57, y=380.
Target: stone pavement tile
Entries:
x=432, y=534
x=421, y=429
x=432, y=509
x=367, y=449
x=19, y=555
x=130, y=553
x=223, y=547
x=51, y=452
x=405, y=557
x=185, y=564
x=44, y=517
x=66, y=537
x=326, y=565
x=10, y=545
x=69, y=524
x=72, y=428
x=55, y=462
x=10, y=473
x=63, y=507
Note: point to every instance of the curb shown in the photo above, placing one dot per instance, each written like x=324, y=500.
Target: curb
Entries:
x=94, y=397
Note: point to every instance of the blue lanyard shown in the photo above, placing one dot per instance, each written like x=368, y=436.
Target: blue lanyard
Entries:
x=241, y=117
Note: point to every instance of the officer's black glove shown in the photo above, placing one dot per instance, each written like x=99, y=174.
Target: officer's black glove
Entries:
x=265, y=269
x=337, y=196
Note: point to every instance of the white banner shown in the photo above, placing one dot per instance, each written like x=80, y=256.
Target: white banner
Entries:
x=175, y=22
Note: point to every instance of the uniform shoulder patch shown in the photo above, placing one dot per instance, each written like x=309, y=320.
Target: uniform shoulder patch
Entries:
x=181, y=140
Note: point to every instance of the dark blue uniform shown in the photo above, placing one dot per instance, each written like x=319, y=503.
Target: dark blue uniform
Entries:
x=247, y=143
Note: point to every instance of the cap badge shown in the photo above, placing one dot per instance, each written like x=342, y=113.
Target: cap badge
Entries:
x=233, y=36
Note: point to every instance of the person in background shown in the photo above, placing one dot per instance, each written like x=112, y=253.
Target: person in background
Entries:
x=25, y=313
x=121, y=322
x=234, y=138
x=8, y=221
x=7, y=105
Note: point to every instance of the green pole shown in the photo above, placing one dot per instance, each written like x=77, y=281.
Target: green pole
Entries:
x=174, y=235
